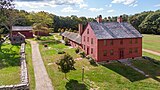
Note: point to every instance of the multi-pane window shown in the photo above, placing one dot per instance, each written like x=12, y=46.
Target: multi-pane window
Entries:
x=105, y=53
x=111, y=52
x=111, y=42
x=136, y=41
x=136, y=50
x=84, y=39
x=130, y=50
x=87, y=39
x=91, y=40
x=91, y=50
x=121, y=41
x=130, y=41
x=105, y=42
x=87, y=31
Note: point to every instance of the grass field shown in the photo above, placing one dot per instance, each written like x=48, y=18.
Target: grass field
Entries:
x=30, y=66
x=9, y=64
x=151, y=42
x=113, y=76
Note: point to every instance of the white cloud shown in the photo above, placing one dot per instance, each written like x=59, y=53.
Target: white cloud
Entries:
x=126, y=2
x=83, y=5
x=69, y=9
x=110, y=11
x=157, y=5
x=110, y=5
x=34, y=4
x=96, y=9
x=50, y=3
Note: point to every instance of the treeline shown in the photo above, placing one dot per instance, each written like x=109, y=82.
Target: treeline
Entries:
x=145, y=22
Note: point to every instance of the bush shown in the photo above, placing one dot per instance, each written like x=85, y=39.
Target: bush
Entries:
x=77, y=50
x=61, y=52
x=82, y=54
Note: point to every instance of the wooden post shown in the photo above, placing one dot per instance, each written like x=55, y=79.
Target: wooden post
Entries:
x=82, y=73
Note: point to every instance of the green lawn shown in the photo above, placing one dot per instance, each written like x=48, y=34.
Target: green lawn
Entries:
x=113, y=76
x=151, y=42
x=9, y=64
x=30, y=66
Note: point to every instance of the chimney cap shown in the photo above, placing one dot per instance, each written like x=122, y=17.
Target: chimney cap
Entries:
x=100, y=16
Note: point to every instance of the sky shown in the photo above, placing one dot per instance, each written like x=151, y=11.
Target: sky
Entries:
x=88, y=8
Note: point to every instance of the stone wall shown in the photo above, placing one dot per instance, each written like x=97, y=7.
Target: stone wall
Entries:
x=24, y=85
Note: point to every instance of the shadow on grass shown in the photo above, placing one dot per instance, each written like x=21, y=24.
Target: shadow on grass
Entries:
x=9, y=57
x=75, y=85
x=50, y=42
x=149, y=67
x=125, y=71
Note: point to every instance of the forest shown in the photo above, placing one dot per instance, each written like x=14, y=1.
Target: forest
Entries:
x=147, y=22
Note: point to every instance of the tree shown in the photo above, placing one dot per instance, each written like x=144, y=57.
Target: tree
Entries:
x=66, y=63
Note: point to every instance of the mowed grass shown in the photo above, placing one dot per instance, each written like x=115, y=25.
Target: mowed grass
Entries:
x=113, y=76
x=30, y=66
x=151, y=42
x=10, y=64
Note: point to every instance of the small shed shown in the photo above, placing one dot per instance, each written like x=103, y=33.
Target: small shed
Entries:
x=18, y=38
x=25, y=30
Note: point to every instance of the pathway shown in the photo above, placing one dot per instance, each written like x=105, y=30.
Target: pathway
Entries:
x=42, y=79
x=152, y=52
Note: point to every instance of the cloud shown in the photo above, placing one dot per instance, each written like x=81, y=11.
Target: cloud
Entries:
x=96, y=9
x=50, y=3
x=110, y=11
x=110, y=5
x=132, y=3
x=157, y=5
x=83, y=5
x=69, y=9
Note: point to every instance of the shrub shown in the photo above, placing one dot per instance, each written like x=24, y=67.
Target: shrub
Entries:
x=77, y=50
x=82, y=54
x=61, y=52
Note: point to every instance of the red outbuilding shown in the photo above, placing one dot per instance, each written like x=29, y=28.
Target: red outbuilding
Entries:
x=106, y=41
x=25, y=30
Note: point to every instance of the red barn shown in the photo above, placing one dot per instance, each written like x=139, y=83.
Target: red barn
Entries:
x=106, y=41
x=25, y=30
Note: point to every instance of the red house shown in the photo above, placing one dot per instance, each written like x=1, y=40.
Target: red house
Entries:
x=25, y=30
x=106, y=41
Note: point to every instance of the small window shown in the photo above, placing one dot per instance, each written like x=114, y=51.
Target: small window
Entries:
x=130, y=41
x=105, y=53
x=130, y=50
x=105, y=42
x=121, y=42
x=87, y=31
x=91, y=50
x=136, y=50
x=136, y=41
x=91, y=40
x=111, y=42
x=84, y=38
x=87, y=39
x=112, y=52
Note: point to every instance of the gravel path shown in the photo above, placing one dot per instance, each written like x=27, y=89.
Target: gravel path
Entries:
x=42, y=79
x=152, y=52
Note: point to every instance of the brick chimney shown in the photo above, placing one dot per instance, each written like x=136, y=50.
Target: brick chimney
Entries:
x=80, y=29
x=119, y=19
x=99, y=19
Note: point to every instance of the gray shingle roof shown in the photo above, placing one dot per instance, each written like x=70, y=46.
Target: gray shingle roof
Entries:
x=72, y=36
x=22, y=28
x=112, y=30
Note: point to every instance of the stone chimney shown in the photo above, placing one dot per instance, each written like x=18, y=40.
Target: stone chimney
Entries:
x=99, y=19
x=80, y=29
x=119, y=19
x=109, y=19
